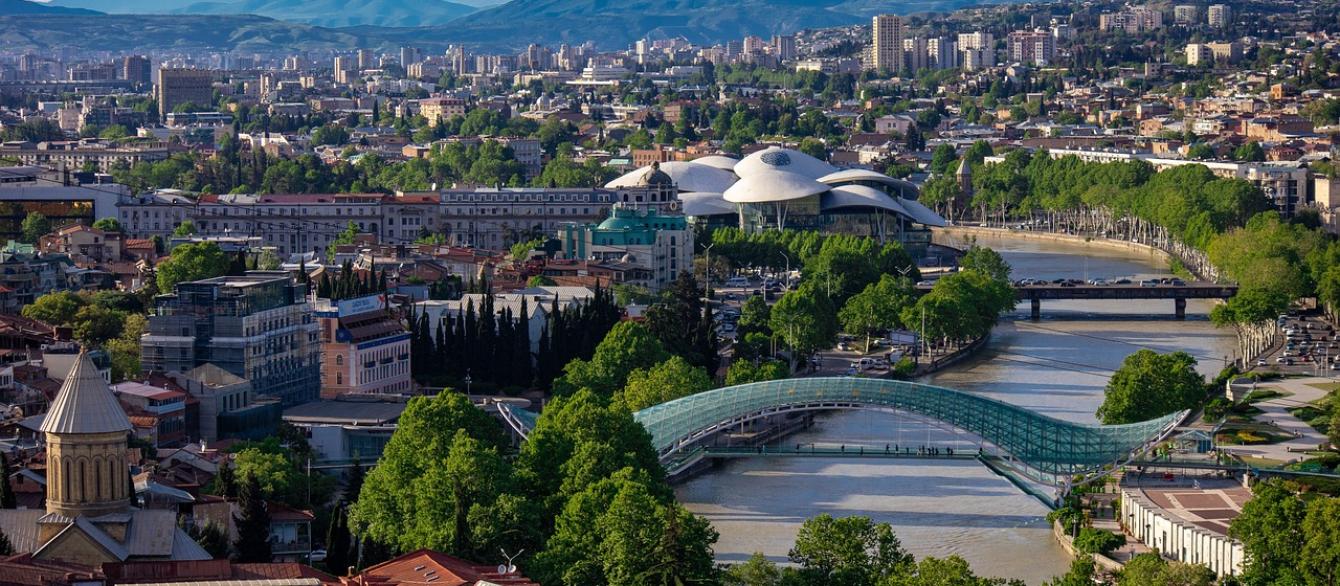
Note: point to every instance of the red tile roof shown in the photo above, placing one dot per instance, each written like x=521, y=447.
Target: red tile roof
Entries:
x=436, y=568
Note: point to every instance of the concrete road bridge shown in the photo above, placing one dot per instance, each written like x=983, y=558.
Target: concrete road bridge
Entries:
x=1037, y=293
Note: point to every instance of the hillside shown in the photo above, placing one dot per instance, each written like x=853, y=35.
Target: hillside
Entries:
x=127, y=33
x=15, y=7
x=612, y=24
x=327, y=13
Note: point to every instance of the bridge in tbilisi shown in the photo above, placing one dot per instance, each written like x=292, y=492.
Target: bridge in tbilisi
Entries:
x=1048, y=450
x=1038, y=292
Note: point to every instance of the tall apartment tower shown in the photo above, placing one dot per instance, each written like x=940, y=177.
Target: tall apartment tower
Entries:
x=135, y=69
x=942, y=53
x=886, y=49
x=366, y=59
x=784, y=46
x=915, y=54
x=345, y=69
x=1186, y=14
x=1219, y=15
x=179, y=86
x=409, y=55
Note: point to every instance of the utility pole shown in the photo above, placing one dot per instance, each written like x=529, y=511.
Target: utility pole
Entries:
x=707, y=271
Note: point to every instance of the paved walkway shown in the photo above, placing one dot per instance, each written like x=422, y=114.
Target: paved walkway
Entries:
x=1276, y=411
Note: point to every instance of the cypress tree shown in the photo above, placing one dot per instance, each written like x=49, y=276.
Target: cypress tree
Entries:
x=525, y=372
x=339, y=543
x=440, y=365
x=7, y=498
x=253, y=526
x=225, y=482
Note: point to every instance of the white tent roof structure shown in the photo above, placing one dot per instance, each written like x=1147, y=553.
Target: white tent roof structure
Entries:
x=775, y=186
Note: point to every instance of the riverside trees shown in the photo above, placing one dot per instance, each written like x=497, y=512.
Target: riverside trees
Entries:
x=1150, y=385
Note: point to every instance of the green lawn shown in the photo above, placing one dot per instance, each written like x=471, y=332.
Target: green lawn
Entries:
x=1328, y=387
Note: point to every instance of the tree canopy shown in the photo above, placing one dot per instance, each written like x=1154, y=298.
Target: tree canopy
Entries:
x=1149, y=385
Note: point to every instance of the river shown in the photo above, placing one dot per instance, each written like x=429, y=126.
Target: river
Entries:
x=1057, y=366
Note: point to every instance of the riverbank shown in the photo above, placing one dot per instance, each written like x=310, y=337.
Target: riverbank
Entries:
x=965, y=234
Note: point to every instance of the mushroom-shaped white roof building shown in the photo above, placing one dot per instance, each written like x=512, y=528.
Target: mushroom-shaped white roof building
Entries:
x=777, y=188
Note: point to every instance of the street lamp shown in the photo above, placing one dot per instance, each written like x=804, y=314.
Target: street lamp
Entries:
x=788, y=269
x=468, y=382
x=707, y=271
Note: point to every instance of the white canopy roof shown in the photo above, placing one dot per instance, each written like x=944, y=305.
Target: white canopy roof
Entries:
x=859, y=196
x=773, y=186
x=688, y=176
x=706, y=204
x=718, y=161
x=781, y=159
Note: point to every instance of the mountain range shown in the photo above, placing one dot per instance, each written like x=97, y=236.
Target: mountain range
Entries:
x=15, y=7
x=327, y=13
x=261, y=25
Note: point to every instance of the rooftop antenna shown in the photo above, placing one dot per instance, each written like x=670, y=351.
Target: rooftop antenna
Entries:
x=509, y=567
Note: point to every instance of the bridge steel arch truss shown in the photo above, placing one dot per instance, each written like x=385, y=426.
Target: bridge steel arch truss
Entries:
x=1047, y=446
x=1049, y=449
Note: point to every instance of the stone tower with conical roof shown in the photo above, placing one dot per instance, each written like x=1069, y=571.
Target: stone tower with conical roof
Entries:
x=86, y=434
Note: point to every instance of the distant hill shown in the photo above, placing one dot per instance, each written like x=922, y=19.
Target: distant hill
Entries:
x=15, y=7
x=124, y=33
x=611, y=24
x=327, y=13
x=621, y=22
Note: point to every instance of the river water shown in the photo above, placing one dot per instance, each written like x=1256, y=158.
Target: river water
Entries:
x=1057, y=366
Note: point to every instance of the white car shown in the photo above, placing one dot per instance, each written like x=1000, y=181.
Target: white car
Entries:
x=318, y=555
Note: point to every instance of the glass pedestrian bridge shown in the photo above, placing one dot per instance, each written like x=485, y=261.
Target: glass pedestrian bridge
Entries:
x=1048, y=449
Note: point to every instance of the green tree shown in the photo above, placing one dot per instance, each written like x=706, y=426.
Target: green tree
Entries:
x=805, y=320
x=34, y=226
x=943, y=158
x=330, y=134
x=666, y=381
x=1081, y=573
x=847, y=551
x=758, y=570
x=1149, y=385
x=952, y=570
x=346, y=236
x=986, y=261
x=253, y=525
x=55, y=308
x=683, y=323
x=108, y=225
x=745, y=371
x=191, y=262
x=1250, y=151
x=1270, y=528
x=627, y=347
x=1319, y=559
x=1333, y=432
x=878, y=308
x=95, y=325
x=1150, y=569
x=271, y=471
x=1200, y=152
x=212, y=538
x=393, y=504
x=185, y=228
x=814, y=148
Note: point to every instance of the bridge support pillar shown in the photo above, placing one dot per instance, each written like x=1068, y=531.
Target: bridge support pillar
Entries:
x=1037, y=309
x=1179, y=307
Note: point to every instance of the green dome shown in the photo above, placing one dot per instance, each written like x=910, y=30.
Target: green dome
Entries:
x=617, y=222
